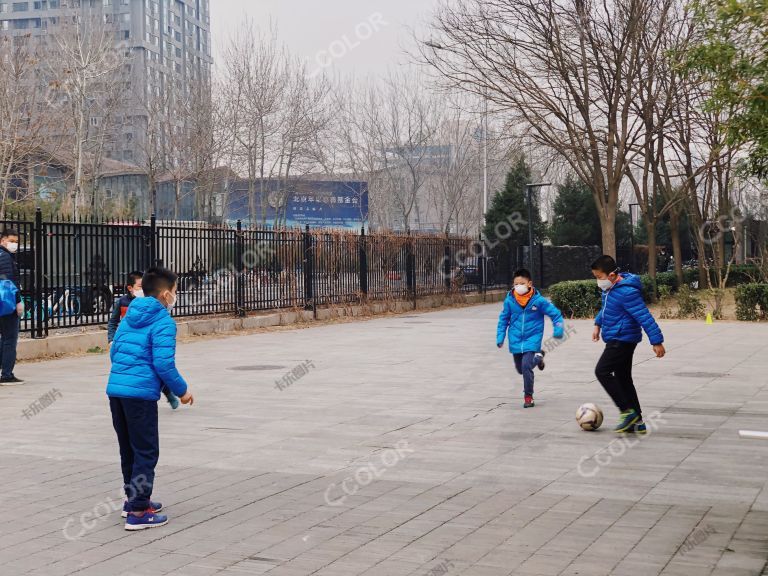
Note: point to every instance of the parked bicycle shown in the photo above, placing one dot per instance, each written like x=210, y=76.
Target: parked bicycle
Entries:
x=60, y=303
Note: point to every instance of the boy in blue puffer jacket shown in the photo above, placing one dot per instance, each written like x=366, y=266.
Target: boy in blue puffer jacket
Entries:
x=143, y=360
x=523, y=319
x=622, y=314
x=120, y=309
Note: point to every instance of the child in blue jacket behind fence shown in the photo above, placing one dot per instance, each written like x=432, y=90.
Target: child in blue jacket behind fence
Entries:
x=622, y=314
x=522, y=319
x=143, y=360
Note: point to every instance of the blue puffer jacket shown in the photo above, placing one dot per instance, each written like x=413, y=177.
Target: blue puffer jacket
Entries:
x=525, y=326
x=144, y=353
x=623, y=313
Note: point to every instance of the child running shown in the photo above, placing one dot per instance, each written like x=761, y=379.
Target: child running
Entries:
x=119, y=310
x=522, y=319
x=143, y=359
x=621, y=316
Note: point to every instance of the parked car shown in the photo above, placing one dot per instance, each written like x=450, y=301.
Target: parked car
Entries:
x=470, y=273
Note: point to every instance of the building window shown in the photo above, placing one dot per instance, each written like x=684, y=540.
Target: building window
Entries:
x=20, y=6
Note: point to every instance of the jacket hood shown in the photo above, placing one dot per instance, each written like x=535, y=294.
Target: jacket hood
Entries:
x=144, y=311
x=628, y=281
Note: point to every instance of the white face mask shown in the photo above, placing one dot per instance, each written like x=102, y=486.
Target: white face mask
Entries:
x=12, y=247
x=171, y=303
x=604, y=284
x=138, y=293
x=521, y=289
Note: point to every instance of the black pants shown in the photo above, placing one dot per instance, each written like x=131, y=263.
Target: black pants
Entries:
x=135, y=422
x=614, y=371
x=9, y=339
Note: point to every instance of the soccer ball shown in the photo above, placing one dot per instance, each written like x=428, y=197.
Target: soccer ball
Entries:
x=589, y=416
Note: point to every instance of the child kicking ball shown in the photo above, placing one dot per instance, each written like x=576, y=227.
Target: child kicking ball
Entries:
x=622, y=314
x=522, y=321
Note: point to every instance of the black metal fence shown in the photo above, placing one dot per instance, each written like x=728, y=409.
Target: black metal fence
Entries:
x=71, y=272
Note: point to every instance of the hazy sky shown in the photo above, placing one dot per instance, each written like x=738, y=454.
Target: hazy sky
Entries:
x=348, y=36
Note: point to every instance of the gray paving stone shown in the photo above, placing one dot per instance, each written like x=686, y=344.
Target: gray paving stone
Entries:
x=498, y=490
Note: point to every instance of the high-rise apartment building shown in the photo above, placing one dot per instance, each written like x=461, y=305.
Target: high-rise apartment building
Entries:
x=167, y=45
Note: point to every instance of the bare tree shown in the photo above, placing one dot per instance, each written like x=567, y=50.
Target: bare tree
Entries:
x=667, y=30
x=257, y=71
x=563, y=70
x=397, y=121
x=85, y=66
x=279, y=117
x=456, y=185
x=24, y=117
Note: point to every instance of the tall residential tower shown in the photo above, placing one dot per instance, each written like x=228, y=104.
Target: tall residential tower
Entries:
x=168, y=43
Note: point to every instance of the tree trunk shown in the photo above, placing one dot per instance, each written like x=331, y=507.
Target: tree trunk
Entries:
x=608, y=231
x=701, y=247
x=650, y=229
x=177, y=200
x=677, y=251
x=252, y=200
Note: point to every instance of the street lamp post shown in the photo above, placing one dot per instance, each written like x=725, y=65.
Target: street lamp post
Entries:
x=529, y=189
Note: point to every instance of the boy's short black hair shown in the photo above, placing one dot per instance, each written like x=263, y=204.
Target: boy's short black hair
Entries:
x=522, y=273
x=157, y=279
x=8, y=232
x=130, y=280
x=605, y=264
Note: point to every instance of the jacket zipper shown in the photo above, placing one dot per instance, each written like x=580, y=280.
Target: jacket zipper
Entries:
x=522, y=340
x=605, y=302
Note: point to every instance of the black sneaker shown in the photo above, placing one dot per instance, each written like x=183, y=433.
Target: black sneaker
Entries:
x=540, y=356
x=10, y=381
x=638, y=428
x=627, y=421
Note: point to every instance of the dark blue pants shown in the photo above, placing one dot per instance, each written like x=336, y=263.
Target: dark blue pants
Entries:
x=9, y=338
x=135, y=422
x=525, y=363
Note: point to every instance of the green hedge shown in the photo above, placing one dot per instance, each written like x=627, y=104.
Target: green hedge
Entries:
x=744, y=274
x=752, y=302
x=581, y=298
x=576, y=298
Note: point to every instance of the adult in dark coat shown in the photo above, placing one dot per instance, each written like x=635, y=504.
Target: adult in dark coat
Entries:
x=9, y=324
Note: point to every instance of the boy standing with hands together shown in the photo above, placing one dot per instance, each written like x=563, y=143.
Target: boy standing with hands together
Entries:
x=143, y=360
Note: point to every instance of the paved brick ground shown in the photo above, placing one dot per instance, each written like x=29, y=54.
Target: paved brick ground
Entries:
x=404, y=451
